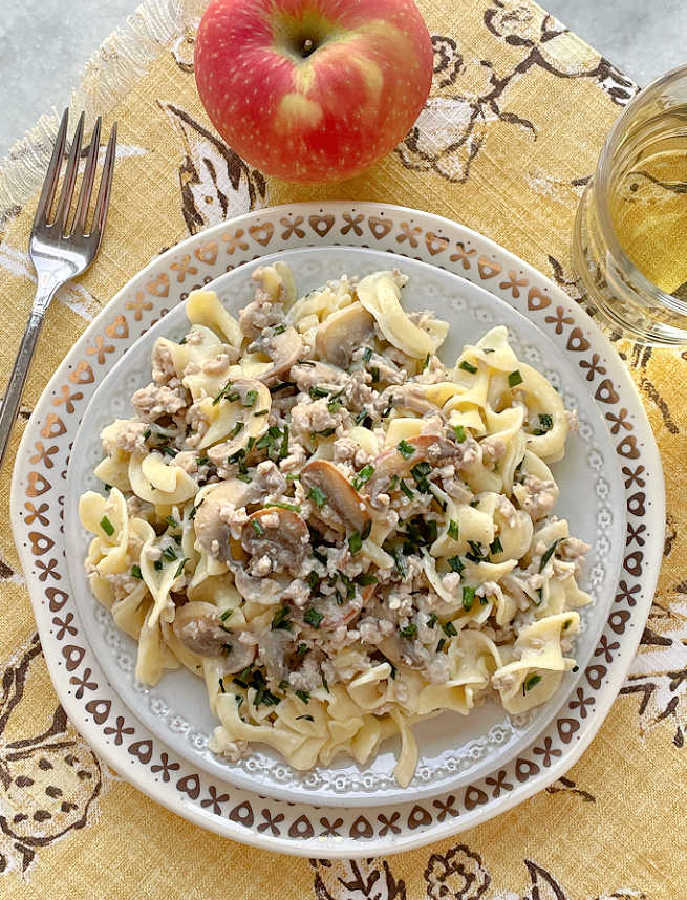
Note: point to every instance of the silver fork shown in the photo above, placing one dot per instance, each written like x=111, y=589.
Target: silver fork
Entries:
x=60, y=252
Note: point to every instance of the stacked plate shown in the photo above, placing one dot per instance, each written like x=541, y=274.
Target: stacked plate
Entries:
x=470, y=768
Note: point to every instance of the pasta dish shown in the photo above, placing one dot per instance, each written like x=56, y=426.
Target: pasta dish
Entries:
x=340, y=533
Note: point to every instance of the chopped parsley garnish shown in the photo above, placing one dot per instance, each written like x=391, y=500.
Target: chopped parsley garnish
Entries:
x=441, y=643
x=362, y=415
x=488, y=350
x=420, y=471
x=279, y=329
x=366, y=579
x=107, y=526
x=449, y=629
x=406, y=490
x=467, y=366
x=456, y=564
x=409, y=631
x=406, y=449
x=226, y=614
x=334, y=406
x=180, y=567
x=250, y=398
x=468, y=597
x=244, y=477
x=195, y=509
x=223, y=393
x=281, y=619
x=313, y=580
x=301, y=650
x=476, y=553
x=387, y=410
x=302, y=695
x=453, y=529
x=399, y=561
x=167, y=450
x=367, y=354
x=460, y=433
x=374, y=372
x=169, y=553
x=313, y=617
x=325, y=432
x=257, y=527
x=545, y=423
x=292, y=507
x=235, y=430
x=307, y=717
x=281, y=386
x=495, y=546
x=362, y=477
x=158, y=565
x=432, y=620
x=172, y=522
x=532, y=681
x=203, y=460
x=425, y=363
x=355, y=543
x=546, y=556
x=515, y=378
x=318, y=496
x=316, y=392
x=146, y=434
x=261, y=412
x=136, y=571
x=221, y=685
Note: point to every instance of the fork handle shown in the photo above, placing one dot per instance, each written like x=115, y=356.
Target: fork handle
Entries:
x=15, y=385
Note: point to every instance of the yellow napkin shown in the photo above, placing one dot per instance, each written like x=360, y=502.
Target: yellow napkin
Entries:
x=518, y=112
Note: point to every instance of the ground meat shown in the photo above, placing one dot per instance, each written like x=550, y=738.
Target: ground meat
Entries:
x=314, y=416
x=572, y=549
x=535, y=496
x=261, y=313
x=506, y=510
x=493, y=449
x=268, y=479
x=124, y=434
x=154, y=401
x=218, y=365
x=164, y=371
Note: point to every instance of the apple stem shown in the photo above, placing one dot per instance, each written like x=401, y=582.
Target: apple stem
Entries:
x=307, y=47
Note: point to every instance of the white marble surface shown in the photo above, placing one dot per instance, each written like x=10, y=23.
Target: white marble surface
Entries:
x=45, y=43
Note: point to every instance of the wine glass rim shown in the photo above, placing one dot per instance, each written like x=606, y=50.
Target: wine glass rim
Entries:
x=601, y=191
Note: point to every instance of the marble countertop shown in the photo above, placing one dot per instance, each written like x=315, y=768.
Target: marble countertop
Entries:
x=51, y=39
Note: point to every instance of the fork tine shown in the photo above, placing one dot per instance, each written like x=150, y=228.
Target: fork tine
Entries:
x=101, y=204
x=53, y=174
x=88, y=177
x=71, y=172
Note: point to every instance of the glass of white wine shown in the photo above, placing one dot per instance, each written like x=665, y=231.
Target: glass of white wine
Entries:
x=630, y=246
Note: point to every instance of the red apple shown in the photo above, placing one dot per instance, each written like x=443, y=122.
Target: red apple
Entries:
x=313, y=90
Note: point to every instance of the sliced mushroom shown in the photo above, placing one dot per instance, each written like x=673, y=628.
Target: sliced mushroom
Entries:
x=310, y=374
x=426, y=448
x=209, y=525
x=258, y=590
x=284, y=349
x=342, y=333
x=280, y=534
x=199, y=628
x=339, y=493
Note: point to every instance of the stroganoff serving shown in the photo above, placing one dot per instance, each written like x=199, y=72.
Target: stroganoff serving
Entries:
x=338, y=532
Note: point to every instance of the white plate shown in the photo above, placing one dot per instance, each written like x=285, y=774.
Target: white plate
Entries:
x=618, y=465
x=453, y=749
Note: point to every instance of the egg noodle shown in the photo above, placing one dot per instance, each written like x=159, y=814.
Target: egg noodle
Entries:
x=339, y=533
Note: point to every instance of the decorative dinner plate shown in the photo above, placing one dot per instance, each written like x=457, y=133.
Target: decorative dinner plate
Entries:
x=471, y=767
